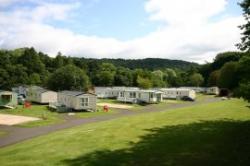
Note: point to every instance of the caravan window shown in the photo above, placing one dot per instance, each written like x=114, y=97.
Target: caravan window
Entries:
x=151, y=95
x=85, y=102
x=132, y=95
x=121, y=94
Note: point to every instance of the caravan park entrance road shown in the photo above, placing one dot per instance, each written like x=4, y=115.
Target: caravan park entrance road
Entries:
x=18, y=134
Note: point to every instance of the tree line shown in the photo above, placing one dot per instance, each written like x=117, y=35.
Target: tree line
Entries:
x=26, y=66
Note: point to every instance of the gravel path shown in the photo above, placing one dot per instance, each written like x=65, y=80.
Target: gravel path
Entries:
x=18, y=134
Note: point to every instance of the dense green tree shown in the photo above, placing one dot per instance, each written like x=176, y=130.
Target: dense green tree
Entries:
x=214, y=78
x=58, y=61
x=69, y=77
x=223, y=58
x=145, y=74
x=170, y=77
x=244, y=90
x=123, y=77
x=244, y=75
x=144, y=83
x=196, y=79
x=228, y=76
x=17, y=75
x=245, y=40
x=244, y=68
x=35, y=79
x=158, y=79
x=106, y=75
x=4, y=76
x=31, y=61
x=105, y=78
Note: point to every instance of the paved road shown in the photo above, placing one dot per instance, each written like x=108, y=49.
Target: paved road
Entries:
x=18, y=134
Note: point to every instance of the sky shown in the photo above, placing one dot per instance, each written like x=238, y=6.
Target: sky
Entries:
x=190, y=30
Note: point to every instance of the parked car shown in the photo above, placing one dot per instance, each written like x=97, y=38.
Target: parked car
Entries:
x=186, y=98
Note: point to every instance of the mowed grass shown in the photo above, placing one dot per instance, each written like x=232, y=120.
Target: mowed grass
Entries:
x=40, y=111
x=114, y=101
x=99, y=112
x=208, y=134
x=48, y=117
x=202, y=97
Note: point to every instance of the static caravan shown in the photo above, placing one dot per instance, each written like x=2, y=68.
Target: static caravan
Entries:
x=102, y=92
x=196, y=89
x=177, y=93
x=8, y=99
x=20, y=90
x=111, y=92
x=213, y=90
x=150, y=96
x=77, y=100
x=40, y=95
x=140, y=96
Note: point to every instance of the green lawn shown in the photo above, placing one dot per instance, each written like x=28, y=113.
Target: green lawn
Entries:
x=208, y=135
x=114, y=101
x=111, y=101
x=39, y=111
x=202, y=97
x=48, y=117
x=99, y=112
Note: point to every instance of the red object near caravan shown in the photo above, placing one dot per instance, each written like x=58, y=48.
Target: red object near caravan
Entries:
x=105, y=108
x=27, y=104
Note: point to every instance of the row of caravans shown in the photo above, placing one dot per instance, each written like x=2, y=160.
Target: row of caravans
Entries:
x=111, y=92
x=129, y=94
x=136, y=95
x=87, y=101
x=206, y=90
x=140, y=96
x=178, y=93
x=69, y=99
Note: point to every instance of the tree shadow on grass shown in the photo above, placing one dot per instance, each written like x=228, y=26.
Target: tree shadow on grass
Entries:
x=208, y=143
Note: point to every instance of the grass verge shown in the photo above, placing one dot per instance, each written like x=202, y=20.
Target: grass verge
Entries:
x=208, y=134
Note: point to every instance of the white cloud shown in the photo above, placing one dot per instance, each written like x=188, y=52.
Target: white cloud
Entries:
x=179, y=11
x=189, y=33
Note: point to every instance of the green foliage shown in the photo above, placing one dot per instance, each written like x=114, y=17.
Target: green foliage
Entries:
x=244, y=68
x=214, y=78
x=170, y=77
x=157, y=79
x=26, y=66
x=223, y=58
x=144, y=83
x=106, y=74
x=245, y=40
x=196, y=79
x=244, y=74
x=228, y=76
x=123, y=77
x=244, y=90
x=148, y=63
x=35, y=79
x=3, y=77
x=69, y=77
